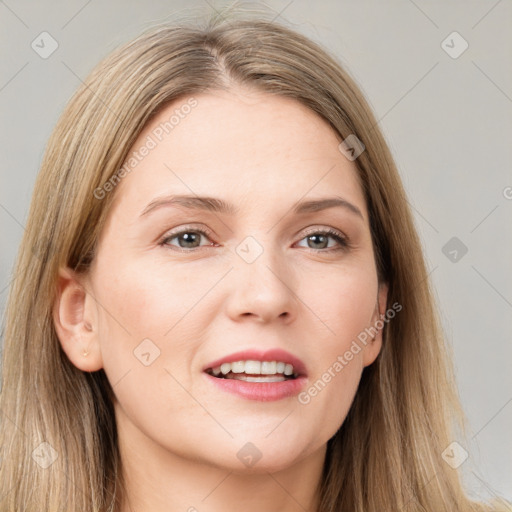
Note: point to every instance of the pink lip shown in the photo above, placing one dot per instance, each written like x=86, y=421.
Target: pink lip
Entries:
x=276, y=354
x=261, y=391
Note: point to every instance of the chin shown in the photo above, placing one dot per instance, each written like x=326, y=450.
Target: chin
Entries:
x=263, y=466
x=260, y=456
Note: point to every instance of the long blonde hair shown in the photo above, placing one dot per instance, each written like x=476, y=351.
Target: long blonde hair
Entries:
x=387, y=455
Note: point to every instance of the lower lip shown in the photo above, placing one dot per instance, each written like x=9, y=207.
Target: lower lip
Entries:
x=262, y=391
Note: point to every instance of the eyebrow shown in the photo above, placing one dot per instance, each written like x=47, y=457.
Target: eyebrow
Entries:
x=213, y=204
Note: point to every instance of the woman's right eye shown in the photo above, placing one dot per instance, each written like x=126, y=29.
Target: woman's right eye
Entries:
x=187, y=239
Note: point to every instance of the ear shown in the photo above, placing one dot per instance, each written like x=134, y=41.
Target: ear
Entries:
x=74, y=320
x=374, y=345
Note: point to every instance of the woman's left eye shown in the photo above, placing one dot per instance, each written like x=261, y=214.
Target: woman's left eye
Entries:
x=322, y=238
x=191, y=239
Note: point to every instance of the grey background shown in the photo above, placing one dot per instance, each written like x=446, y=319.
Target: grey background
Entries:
x=448, y=123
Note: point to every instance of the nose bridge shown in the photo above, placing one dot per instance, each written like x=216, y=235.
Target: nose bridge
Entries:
x=262, y=278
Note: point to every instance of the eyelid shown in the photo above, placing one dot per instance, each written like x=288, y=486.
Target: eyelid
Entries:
x=332, y=231
x=190, y=227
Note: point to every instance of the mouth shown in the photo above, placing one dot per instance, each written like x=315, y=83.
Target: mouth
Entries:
x=261, y=376
x=254, y=371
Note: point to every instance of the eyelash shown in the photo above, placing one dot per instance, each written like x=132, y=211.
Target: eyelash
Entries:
x=342, y=240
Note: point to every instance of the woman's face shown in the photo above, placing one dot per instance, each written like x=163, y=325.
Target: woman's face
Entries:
x=179, y=285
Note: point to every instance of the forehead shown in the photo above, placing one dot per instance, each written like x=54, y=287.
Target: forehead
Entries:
x=242, y=144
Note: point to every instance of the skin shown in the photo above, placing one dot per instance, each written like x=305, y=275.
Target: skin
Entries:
x=179, y=434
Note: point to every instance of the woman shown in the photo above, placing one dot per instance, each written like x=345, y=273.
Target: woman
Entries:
x=220, y=299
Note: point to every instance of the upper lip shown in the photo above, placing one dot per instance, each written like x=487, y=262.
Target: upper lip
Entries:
x=275, y=354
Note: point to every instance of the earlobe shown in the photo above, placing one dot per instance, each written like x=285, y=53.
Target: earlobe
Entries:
x=72, y=313
x=382, y=299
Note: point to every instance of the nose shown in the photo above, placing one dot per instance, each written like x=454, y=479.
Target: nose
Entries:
x=262, y=290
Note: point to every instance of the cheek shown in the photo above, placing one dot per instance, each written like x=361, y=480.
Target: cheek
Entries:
x=345, y=309
x=144, y=325
x=330, y=394
x=343, y=301
x=149, y=300
x=146, y=339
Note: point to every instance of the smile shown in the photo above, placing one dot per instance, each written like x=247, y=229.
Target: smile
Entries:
x=254, y=371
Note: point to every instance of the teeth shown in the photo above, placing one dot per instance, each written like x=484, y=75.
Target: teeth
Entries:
x=238, y=367
x=254, y=368
x=268, y=367
x=250, y=378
